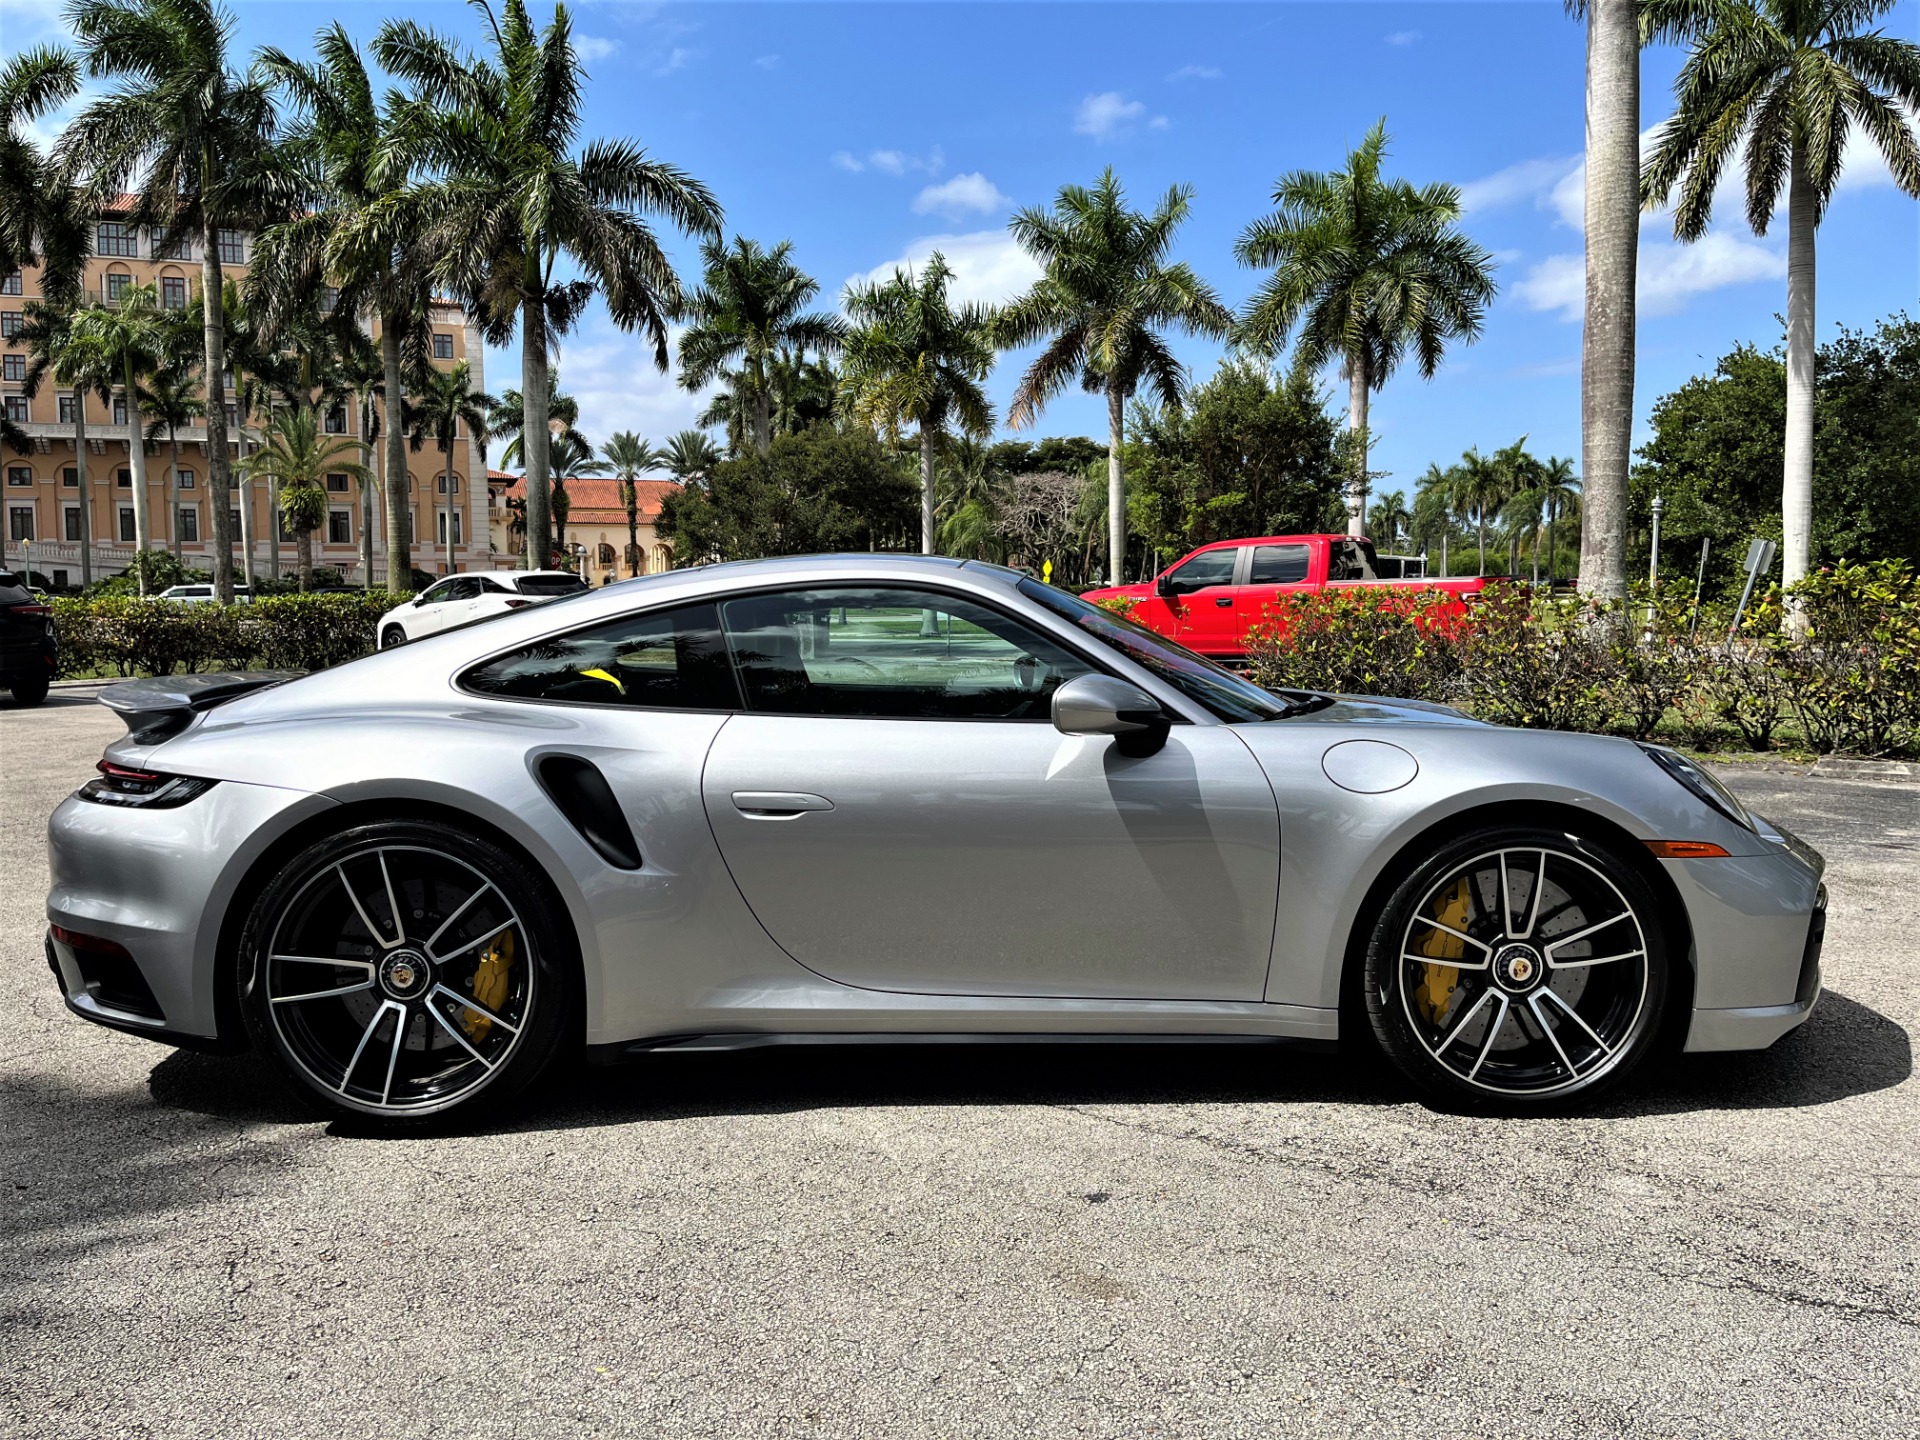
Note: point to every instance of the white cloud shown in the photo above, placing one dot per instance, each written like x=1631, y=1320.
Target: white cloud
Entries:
x=1106, y=116
x=1196, y=72
x=1529, y=180
x=768, y=62
x=1159, y=122
x=1670, y=273
x=963, y=193
x=1404, y=38
x=593, y=47
x=847, y=160
x=611, y=374
x=892, y=162
x=678, y=58
x=26, y=22
x=988, y=265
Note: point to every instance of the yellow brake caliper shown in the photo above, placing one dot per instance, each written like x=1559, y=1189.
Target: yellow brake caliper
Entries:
x=489, y=986
x=1435, y=992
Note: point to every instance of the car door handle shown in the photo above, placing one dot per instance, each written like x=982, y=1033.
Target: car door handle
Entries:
x=1224, y=603
x=777, y=804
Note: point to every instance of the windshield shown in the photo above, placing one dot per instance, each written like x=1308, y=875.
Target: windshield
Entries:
x=1221, y=691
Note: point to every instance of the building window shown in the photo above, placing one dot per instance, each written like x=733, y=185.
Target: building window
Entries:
x=606, y=553
x=73, y=522
x=115, y=238
x=232, y=248
x=442, y=531
x=440, y=483
x=13, y=367
x=118, y=284
x=232, y=412
x=9, y=324
x=17, y=407
x=181, y=249
x=10, y=285
x=337, y=483
x=183, y=479
x=119, y=409
x=443, y=347
x=70, y=477
x=19, y=475
x=126, y=525
x=187, y=518
x=233, y=524
x=66, y=409
x=20, y=522
x=337, y=420
x=123, y=479
x=339, y=527
x=329, y=299
x=173, y=292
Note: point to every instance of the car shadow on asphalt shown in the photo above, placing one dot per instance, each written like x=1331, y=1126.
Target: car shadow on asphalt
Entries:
x=1846, y=1049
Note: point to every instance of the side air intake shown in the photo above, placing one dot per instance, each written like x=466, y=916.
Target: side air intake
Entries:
x=581, y=793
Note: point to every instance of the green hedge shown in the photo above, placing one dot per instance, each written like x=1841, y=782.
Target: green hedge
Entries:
x=1845, y=677
x=126, y=635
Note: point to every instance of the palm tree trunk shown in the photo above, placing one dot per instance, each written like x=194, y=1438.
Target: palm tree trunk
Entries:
x=450, y=505
x=244, y=486
x=276, y=522
x=86, y=490
x=762, y=409
x=399, y=530
x=1613, y=237
x=1480, y=522
x=303, y=557
x=926, y=489
x=1357, y=388
x=1553, y=544
x=137, y=463
x=219, y=463
x=173, y=490
x=633, y=528
x=1116, y=486
x=533, y=428
x=1796, y=492
x=365, y=407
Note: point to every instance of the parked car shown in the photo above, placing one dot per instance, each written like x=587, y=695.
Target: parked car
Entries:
x=27, y=648
x=459, y=599
x=1210, y=600
x=922, y=799
x=203, y=593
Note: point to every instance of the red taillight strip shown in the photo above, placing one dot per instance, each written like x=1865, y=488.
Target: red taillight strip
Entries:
x=122, y=772
x=96, y=944
x=1686, y=849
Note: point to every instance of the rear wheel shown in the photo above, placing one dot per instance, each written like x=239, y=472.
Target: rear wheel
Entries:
x=29, y=689
x=1518, y=967
x=392, y=636
x=405, y=969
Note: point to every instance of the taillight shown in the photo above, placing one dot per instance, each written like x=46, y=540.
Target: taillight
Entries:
x=518, y=604
x=33, y=610
x=147, y=789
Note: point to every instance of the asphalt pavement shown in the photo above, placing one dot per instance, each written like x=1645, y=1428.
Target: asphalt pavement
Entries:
x=1071, y=1241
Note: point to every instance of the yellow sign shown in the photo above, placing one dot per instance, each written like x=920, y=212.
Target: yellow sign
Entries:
x=1046, y=572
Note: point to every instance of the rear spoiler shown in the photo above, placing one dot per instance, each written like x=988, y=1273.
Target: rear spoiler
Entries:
x=156, y=709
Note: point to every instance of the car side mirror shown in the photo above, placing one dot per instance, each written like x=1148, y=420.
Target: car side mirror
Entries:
x=1163, y=585
x=1105, y=705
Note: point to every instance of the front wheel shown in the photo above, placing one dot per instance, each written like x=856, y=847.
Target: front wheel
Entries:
x=1517, y=967
x=391, y=637
x=404, y=969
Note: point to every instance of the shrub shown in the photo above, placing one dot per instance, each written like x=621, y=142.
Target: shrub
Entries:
x=1539, y=662
x=1852, y=679
x=314, y=632
x=129, y=636
x=1359, y=642
x=1648, y=660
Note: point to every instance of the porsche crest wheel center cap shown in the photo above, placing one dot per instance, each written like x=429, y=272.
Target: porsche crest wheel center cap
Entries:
x=405, y=974
x=1518, y=968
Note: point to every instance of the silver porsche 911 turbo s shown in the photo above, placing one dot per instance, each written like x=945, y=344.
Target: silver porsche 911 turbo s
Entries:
x=876, y=796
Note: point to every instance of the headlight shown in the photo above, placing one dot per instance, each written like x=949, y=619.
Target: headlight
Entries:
x=1702, y=782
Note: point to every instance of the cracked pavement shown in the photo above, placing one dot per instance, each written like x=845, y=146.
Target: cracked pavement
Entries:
x=1032, y=1241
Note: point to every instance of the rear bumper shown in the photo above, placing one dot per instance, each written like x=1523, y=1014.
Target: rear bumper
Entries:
x=17, y=659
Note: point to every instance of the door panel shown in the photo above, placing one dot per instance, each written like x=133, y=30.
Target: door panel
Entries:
x=1001, y=858
x=1204, y=610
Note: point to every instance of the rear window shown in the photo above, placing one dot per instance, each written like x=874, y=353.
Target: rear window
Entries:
x=1278, y=565
x=551, y=585
x=665, y=660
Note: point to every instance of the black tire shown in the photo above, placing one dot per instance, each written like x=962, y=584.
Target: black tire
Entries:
x=1534, y=1014
x=29, y=689
x=481, y=973
x=392, y=637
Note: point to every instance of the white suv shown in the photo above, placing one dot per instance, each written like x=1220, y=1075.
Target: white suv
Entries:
x=459, y=599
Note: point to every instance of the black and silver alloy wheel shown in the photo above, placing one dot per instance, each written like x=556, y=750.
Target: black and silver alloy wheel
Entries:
x=1518, y=966
x=402, y=969
x=392, y=637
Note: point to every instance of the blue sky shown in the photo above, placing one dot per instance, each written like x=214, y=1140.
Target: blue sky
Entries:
x=871, y=134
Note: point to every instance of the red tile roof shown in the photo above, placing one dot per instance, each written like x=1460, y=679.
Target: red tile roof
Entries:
x=596, y=501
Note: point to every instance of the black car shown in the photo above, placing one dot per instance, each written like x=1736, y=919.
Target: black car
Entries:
x=26, y=641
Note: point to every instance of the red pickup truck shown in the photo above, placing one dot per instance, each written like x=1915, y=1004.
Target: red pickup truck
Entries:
x=1211, y=598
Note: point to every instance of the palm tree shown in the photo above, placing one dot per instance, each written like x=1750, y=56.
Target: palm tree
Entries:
x=34, y=208
x=359, y=235
x=296, y=457
x=444, y=401
x=1105, y=294
x=83, y=363
x=198, y=136
x=517, y=194
x=912, y=358
x=1560, y=495
x=1437, y=505
x=627, y=456
x=1389, y=517
x=1365, y=267
x=172, y=399
x=690, y=456
x=572, y=455
x=508, y=417
x=1789, y=78
x=136, y=333
x=750, y=305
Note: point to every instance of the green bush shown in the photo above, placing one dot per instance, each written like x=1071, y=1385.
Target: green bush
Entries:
x=1539, y=662
x=314, y=632
x=1359, y=642
x=1852, y=678
x=125, y=635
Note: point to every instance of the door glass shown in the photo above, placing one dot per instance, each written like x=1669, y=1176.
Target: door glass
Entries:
x=1278, y=565
x=667, y=659
x=1211, y=567
x=434, y=594
x=892, y=654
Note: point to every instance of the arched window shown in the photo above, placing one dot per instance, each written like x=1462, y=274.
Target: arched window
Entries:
x=662, y=558
x=606, y=553
x=633, y=555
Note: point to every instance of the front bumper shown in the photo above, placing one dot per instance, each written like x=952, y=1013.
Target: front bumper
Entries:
x=158, y=885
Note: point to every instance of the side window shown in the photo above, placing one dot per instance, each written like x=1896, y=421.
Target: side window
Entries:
x=897, y=654
x=665, y=660
x=1278, y=565
x=434, y=594
x=1350, y=561
x=1210, y=567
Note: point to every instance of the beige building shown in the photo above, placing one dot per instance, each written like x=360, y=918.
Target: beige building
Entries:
x=40, y=494
x=596, y=535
